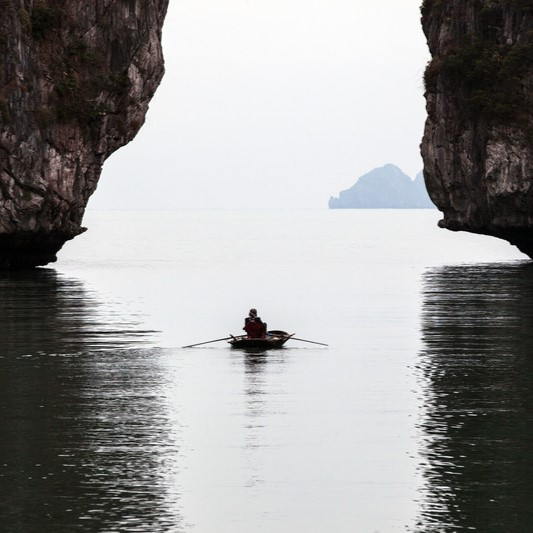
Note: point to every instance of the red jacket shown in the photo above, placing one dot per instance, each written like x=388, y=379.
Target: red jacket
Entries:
x=255, y=329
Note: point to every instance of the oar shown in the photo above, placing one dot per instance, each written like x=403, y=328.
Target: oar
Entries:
x=312, y=342
x=208, y=342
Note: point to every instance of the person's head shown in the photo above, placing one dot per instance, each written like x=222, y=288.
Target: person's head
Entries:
x=252, y=313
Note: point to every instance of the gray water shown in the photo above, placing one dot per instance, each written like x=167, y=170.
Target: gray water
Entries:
x=416, y=417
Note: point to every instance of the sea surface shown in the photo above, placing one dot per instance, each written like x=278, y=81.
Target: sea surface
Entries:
x=417, y=417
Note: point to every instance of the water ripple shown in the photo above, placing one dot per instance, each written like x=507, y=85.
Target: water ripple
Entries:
x=43, y=312
x=476, y=369
x=87, y=444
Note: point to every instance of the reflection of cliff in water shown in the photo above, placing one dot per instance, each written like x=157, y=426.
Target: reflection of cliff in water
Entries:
x=44, y=312
x=477, y=372
x=86, y=442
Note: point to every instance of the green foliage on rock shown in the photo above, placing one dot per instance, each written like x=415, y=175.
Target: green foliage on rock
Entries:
x=44, y=19
x=4, y=110
x=25, y=20
x=80, y=98
x=77, y=101
x=491, y=74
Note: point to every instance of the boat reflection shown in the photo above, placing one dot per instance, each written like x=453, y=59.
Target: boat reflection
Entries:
x=477, y=373
x=256, y=384
x=263, y=390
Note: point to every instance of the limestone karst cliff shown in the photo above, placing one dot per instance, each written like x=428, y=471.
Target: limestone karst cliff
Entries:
x=478, y=141
x=76, y=78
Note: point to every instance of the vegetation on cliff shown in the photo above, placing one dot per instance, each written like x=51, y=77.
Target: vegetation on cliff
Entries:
x=489, y=70
x=490, y=74
x=84, y=90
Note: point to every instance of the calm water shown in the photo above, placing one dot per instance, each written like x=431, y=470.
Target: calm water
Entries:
x=417, y=417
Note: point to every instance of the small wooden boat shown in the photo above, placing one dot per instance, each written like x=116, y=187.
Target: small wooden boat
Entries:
x=274, y=339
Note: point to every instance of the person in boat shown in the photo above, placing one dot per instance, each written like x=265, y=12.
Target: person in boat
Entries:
x=255, y=328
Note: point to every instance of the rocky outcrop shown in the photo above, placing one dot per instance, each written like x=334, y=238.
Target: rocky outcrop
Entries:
x=385, y=187
x=75, y=82
x=478, y=141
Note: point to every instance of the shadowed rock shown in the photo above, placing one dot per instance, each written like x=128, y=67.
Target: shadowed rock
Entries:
x=478, y=141
x=75, y=82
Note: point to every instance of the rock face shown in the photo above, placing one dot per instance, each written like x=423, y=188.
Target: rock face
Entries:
x=478, y=142
x=75, y=82
x=385, y=187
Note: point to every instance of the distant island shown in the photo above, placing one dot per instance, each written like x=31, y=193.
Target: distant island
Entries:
x=382, y=188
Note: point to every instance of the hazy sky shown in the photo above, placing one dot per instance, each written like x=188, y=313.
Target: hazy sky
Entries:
x=274, y=104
